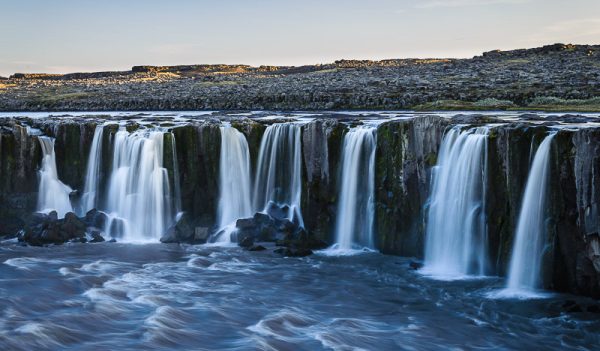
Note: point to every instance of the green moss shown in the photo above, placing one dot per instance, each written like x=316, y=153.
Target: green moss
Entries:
x=431, y=159
x=132, y=127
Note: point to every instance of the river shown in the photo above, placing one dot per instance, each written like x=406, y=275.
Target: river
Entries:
x=112, y=296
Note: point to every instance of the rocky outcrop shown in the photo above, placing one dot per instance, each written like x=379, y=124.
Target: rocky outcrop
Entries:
x=45, y=229
x=273, y=226
x=184, y=231
x=541, y=78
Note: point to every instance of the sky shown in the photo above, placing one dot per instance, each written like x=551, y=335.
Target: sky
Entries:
x=60, y=36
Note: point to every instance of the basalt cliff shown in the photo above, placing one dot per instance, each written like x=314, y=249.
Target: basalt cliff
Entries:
x=178, y=158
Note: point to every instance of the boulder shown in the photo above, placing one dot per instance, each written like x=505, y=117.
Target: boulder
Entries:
x=183, y=231
x=95, y=218
x=415, y=265
x=43, y=229
x=246, y=242
x=95, y=234
x=274, y=226
x=293, y=252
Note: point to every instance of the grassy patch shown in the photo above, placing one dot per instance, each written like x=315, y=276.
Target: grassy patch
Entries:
x=457, y=105
x=54, y=95
x=550, y=104
x=324, y=71
x=6, y=85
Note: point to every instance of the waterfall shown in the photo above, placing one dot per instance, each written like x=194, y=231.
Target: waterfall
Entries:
x=355, y=213
x=139, y=202
x=53, y=194
x=278, y=174
x=525, y=263
x=456, y=234
x=89, y=200
x=234, y=182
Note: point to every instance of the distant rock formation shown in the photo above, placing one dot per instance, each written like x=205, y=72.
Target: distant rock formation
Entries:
x=553, y=77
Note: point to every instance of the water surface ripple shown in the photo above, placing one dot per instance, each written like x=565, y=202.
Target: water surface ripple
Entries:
x=156, y=296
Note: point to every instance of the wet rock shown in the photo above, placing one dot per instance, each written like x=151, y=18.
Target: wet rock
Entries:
x=293, y=252
x=261, y=227
x=246, y=242
x=593, y=309
x=183, y=232
x=473, y=119
x=275, y=227
x=531, y=117
x=570, y=118
x=257, y=248
x=95, y=218
x=43, y=229
x=572, y=307
x=405, y=155
x=276, y=212
x=415, y=265
x=96, y=234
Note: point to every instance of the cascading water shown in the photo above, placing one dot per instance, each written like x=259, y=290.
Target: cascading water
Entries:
x=456, y=233
x=525, y=263
x=89, y=200
x=278, y=175
x=139, y=202
x=355, y=213
x=234, y=182
x=53, y=194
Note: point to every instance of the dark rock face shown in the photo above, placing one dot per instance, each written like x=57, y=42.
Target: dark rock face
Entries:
x=582, y=243
x=406, y=152
x=72, y=148
x=198, y=149
x=510, y=150
x=322, y=142
x=20, y=155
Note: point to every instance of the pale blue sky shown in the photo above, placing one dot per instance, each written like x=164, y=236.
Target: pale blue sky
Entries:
x=91, y=35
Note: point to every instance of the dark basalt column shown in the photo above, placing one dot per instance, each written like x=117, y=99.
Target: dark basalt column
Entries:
x=406, y=152
x=20, y=156
x=321, y=149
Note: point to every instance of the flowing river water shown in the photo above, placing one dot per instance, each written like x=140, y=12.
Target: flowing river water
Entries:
x=112, y=296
